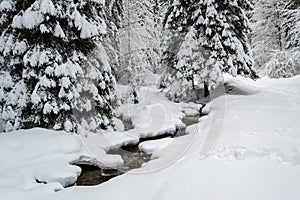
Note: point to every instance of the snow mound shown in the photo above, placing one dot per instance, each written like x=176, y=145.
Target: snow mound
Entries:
x=239, y=85
x=155, y=115
x=30, y=158
x=38, y=155
x=155, y=145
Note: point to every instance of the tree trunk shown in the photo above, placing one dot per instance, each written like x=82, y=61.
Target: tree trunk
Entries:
x=193, y=83
x=135, y=97
x=206, y=90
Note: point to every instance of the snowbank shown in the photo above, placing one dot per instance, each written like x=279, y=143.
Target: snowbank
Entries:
x=248, y=147
x=30, y=158
x=38, y=155
x=256, y=155
x=155, y=145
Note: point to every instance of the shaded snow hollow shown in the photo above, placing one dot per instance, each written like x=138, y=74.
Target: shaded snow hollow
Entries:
x=248, y=147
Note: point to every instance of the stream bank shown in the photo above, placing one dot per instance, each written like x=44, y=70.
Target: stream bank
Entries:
x=131, y=154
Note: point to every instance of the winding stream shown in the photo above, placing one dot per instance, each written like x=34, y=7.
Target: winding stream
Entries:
x=132, y=156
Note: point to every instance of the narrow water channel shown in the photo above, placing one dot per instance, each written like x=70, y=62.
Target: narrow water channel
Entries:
x=132, y=156
x=91, y=175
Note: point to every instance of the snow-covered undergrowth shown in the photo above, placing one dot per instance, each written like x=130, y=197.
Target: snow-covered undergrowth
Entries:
x=155, y=114
x=252, y=153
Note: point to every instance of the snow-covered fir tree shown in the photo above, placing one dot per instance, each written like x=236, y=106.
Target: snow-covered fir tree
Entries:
x=291, y=24
x=281, y=65
x=292, y=4
x=114, y=18
x=210, y=39
x=55, y=72
x=178, y=42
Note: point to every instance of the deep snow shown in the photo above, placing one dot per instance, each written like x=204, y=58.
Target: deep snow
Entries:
x=248, y=147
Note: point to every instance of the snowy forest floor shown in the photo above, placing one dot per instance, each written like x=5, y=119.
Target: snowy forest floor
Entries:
x=247, y=147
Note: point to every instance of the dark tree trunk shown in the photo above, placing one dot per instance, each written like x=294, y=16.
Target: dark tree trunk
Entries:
x=206, y=90
x=135, y=97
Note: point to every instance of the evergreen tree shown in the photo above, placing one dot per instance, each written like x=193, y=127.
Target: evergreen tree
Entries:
x=212, y=34
x=281, y=65
x=114, y=18
x=292, y=25
x=293, y=4
x=55, y=72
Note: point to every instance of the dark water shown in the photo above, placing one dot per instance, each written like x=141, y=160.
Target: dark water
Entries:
x=132, y=159
x=91, y=175
x=188, y=120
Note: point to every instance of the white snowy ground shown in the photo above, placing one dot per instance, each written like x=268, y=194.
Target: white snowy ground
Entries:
x=248, y=147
